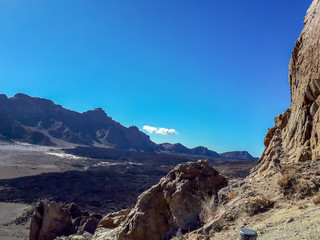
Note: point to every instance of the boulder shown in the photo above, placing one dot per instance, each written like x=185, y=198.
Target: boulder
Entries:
x=174, y=204
x=51, y=220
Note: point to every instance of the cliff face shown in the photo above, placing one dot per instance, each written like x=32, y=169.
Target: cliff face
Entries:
x=295, y=136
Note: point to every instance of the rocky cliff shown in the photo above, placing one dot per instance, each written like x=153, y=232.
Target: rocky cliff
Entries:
x=295, y=136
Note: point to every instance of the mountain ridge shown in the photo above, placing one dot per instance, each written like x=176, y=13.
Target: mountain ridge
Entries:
x=40, y=121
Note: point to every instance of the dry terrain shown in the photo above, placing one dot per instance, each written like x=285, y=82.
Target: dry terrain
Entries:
x=97, y=179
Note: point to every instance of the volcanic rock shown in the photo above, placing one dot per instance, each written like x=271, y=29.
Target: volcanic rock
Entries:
x=244, y=155
x=41, y=121
x=171, y=205
x=295, y=136
x=52, y=219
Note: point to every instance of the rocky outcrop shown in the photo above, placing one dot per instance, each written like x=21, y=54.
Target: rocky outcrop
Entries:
x=52, y=219
x=171, y=205
x=243, y=155
x=295, y=136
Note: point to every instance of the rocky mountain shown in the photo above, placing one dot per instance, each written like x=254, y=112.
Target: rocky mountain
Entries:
x=239, y=155
x=295, y=136
x=178, y=148
x=40, y=121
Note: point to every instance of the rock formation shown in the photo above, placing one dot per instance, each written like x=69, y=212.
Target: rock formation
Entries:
x=52, y=219
x=171, y=205
x=244, y=155
x=40, y=121
x=295, y=136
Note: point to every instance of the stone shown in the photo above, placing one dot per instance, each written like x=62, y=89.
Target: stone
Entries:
x=51, y=220
x=174, y=204
x=295, y=136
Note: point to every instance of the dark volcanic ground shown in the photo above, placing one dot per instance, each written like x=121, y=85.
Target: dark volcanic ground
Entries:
x=108, y=180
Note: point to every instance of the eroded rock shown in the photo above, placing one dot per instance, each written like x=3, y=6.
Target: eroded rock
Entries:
x=295, y=136
x=52, y=219
x=171, y=205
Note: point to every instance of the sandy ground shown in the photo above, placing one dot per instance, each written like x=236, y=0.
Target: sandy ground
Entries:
x=19, y=160
x=8, y=212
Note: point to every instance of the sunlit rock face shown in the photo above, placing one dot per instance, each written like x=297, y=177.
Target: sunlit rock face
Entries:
x=174, y=204
x=295, y=136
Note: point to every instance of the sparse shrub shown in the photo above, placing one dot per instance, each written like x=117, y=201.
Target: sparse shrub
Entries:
x=316, y=199
x=230, y=217
x=208, y=208
x=225, y=198
x=231, y=196
x=258, y=204
x=288, y=179
x=303, y=189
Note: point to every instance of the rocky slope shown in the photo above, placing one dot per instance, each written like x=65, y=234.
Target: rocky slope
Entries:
x=40, y=121
x=295, y=136
x=178, y=148
x=238, y=155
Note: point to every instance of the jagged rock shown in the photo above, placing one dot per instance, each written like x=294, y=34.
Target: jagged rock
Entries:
x=171, y=205
x=295, y=136
x=52, y=219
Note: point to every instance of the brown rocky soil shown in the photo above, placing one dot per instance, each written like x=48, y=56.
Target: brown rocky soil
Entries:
x=101, y=182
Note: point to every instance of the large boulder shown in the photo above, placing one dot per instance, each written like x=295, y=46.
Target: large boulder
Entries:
x=52, y=219
x=295, y=136
x=174, y=204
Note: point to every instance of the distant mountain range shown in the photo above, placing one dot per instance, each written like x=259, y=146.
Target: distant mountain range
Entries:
x=40, y=121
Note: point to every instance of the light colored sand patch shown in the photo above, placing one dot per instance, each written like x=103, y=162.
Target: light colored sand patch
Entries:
x=63, y=155
x=19, y=160
x=8, y=212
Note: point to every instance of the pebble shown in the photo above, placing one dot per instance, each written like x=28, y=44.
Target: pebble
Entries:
x=290, y=220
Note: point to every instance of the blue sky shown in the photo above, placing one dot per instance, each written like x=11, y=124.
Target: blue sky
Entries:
x=213, y=70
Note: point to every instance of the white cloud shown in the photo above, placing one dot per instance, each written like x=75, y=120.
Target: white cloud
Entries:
x=150, y=129
x=162, y=131
x=165, y=131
